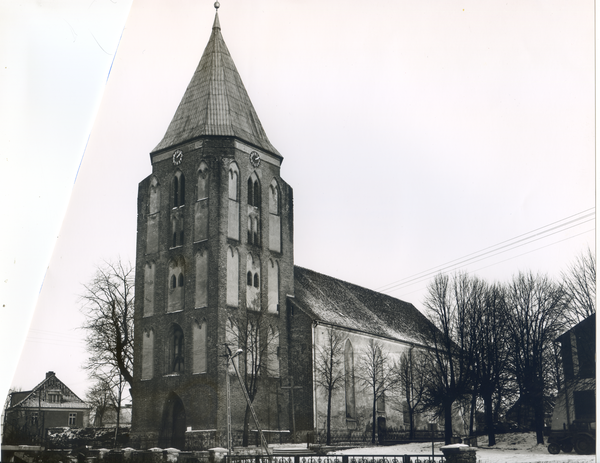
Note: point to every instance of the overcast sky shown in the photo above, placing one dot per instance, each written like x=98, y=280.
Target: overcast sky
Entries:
x=414, y=134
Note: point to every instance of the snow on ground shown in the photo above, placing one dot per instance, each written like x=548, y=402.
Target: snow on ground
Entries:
x=511, y=447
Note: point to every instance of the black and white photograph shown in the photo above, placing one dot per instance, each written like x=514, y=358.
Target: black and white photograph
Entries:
x=298, y=231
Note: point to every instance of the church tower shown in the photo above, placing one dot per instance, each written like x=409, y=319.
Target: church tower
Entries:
x=214, y=259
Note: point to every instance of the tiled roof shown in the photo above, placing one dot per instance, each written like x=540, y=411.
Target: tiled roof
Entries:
x=36, y=397
x=340, y=303
x=216, y=102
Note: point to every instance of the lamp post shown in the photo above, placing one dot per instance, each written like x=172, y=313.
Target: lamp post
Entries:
x=230, y=357
x=263, y=441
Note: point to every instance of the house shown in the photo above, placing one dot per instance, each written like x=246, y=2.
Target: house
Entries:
x=215, y=270
x=50, y=404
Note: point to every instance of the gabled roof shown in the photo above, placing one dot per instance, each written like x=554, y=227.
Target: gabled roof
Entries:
x=36, y=397
x=336, y=302
x=216, y=102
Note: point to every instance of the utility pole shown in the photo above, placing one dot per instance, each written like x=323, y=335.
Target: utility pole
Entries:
x=291, y=387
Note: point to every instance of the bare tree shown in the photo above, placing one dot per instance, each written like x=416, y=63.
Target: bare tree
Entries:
x=100, y=397
x=375, y=375
x=491, y=354
x=535, y=320
x=107, y=304
x=329, y=363
x=579, y=283
x=409, y=379
x=451, y=338
x=257, y=335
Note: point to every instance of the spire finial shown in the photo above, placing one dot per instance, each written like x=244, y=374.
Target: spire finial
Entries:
x=217, y=5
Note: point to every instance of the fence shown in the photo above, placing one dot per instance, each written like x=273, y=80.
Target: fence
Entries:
x=361, y=437
x=408, y=458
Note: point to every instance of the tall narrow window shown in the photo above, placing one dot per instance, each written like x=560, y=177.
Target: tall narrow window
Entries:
x=233, y=275
x=233, y=223
x=274, y=217
x=199, y=341
x=273, y=286
x=176, y=292
x=273, y=351
x=177, y=352
x=175, y=192
x=72, y=419
x=253, y=210
x=148, y=354
x=178, y=190
x=253, y=282
x=201, y=206
x=201, y=278
x=153, y=215
x=349, y=380
x=149, y=270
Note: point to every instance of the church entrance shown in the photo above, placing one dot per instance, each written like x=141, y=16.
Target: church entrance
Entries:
x=172, y=430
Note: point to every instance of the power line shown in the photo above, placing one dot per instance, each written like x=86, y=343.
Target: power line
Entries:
x=508, y=245
x=505, y=260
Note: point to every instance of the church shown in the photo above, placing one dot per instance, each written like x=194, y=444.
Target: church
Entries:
x=215, y=273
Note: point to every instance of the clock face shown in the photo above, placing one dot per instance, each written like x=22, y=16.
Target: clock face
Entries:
x=177, y=157
x=254, y=158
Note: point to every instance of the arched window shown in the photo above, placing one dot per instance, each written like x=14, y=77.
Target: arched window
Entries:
x=233, y=183
x=272, y=286
x=253, y=282
x=175, y=192
x=274, y=198
x=273, y=351
x=233, y=217
x=256, y=195
x=149, y=271
x=201, y=206
x=148, y=354
x=177, y=351
x=176, y=294
x=202, y=185
x=199, y=353
x=154, y=201
x=250, y=192
x=233, y=266
x=349, y=380
x=178, y=190
x=274, y=217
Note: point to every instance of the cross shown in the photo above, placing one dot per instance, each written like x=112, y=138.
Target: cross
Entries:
x=291, y=387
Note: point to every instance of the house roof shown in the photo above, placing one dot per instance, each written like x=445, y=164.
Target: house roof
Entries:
x=216, y=102
x=336, y=302
x=37, y=397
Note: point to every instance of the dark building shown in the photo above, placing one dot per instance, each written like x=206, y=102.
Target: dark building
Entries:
x=50, y=404
x=215, y=267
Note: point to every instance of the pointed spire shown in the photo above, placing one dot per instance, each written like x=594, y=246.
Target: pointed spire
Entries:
x=216, y=102
x=216, y=24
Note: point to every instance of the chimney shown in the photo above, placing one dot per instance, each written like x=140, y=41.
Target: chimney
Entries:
x=50, y=373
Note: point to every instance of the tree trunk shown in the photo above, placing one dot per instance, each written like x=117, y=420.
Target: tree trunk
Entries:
x=489, y=418
x=448, y=422
x=539, y=419
x=411, y=419
x=329, y=417
x=374, y=419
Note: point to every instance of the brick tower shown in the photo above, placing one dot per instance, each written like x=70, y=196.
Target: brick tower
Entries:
x=214, y=260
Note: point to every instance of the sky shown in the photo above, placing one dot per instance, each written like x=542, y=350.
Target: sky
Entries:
x=417, y=136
